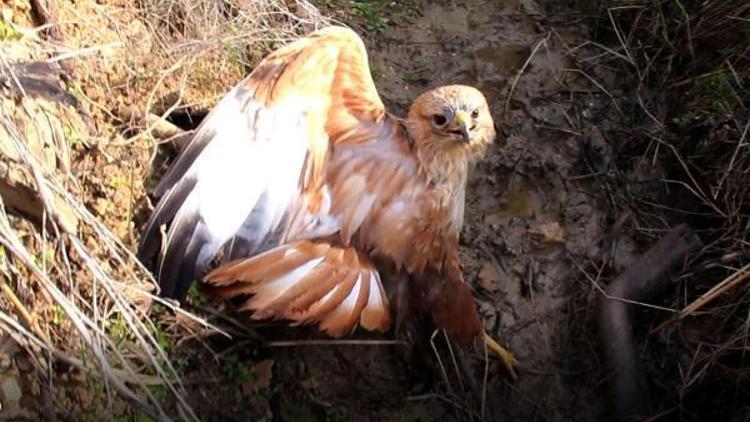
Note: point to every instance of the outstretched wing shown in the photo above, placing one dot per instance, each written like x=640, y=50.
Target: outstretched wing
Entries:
x=258, y=158
x=373, y=189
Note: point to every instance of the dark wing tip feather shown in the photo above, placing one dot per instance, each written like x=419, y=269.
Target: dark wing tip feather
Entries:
x=185, y=159
x=150, y=241
x=178, y=265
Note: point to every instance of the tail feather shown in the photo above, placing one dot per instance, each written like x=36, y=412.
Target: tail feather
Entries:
x=371, y=318
x=329, y=301
x=266, y=266
x=317, y=293
x=346, y=314
x=234, y=271
x=308, y=283
x=271, y=298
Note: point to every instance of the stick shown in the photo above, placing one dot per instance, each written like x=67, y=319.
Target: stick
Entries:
x=520, y=72
x=27, y=318
x=738, y=277
x=46, y=15
x=642, y=281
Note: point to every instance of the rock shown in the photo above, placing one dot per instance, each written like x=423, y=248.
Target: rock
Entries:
x=8, y=349
x=489, y=277
x=40, y=122
x=10, y=393
x=550, y=232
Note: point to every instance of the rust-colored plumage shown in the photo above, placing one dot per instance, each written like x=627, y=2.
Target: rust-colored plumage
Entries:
x=310, y=188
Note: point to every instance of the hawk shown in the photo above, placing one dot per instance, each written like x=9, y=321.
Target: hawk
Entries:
x=310, y=190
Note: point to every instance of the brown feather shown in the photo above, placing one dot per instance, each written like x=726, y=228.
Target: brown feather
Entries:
x=342, y=319
x=375, y=315
x=230, y=291
x=303, y=302
x=290, y=261
x=446, y=297
x=280, y=305
x=232, y=271
x=325, y=305
x=307, y=282
x=343, y=261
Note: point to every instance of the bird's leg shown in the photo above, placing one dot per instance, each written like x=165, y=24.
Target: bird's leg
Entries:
x=509, y=361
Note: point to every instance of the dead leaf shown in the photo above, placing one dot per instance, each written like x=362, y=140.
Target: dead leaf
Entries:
x=489, y=278
x=260, y=378
x=10, y=392
x=8, y=349
x=310, y=383
x=550, y=232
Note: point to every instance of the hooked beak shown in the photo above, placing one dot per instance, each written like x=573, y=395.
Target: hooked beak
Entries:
x=463, y=121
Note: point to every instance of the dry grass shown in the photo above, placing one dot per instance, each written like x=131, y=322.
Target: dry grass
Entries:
x=73, y=295
x=210, y=44
x=87, y=282
x=690, y=67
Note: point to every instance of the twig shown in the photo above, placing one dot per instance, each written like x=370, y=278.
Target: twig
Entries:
x=453, y=360
x=89, y=330
x=598, y=85
x=609, y=296
x=45, y=12
x=732, y=161
x=22, y=311
x=622, y=41
x=734, y=280
x=83, y=51
x=520, y=72
x=22, y=336
x=440, y=361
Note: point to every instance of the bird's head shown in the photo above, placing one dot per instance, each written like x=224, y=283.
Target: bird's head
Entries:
x=451, y=122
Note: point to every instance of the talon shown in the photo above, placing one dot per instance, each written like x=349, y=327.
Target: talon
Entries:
x=509, y=361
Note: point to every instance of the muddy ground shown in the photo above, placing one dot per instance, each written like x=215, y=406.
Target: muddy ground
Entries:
x=535, y=217
x=542, y=230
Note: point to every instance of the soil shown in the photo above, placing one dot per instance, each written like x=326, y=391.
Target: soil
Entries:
x=534, y=220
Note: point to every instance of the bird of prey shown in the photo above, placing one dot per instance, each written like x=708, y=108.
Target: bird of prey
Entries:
x=306, y=189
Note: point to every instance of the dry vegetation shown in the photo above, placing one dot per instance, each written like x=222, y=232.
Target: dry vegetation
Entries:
x=79, y=333
x=689, y=67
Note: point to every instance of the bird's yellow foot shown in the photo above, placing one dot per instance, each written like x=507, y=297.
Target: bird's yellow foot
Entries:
x=509, y=361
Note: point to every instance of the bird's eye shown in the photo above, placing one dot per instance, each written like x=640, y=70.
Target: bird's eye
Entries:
x=475, y=113
x=439, y=119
